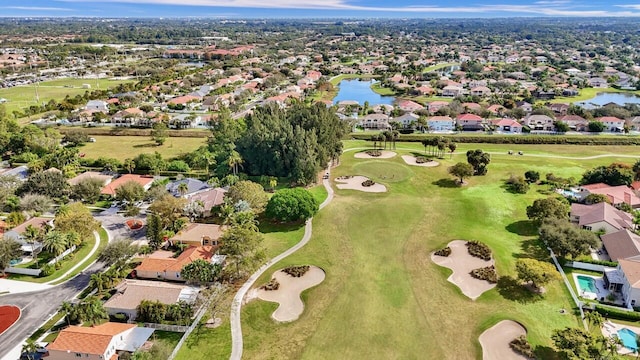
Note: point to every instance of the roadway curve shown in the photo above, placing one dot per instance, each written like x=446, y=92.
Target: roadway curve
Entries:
x=236, y=305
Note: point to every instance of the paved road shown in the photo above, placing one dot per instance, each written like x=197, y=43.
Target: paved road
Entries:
x=38, y=306
x=236, y=305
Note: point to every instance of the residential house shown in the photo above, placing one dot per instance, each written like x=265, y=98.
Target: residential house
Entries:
x=507, y=126
x=425, y=90
x=186, y=187
x=472, y=107
x=375, y=122
x=127, y=117
x=621, y=244
x=103, y=178
x=496, y=109
x=168, y=268
x=633, y=123
x=144, y=180
x=525, y=106
x=97, y=106
x=99, y=342
x=409, y=106
x=130, y=293
x=407, y=120
x=209, y=199
x=434, y=106
x=198, y=235
x=441, y=123
x=559, y=109
x=575, y=122
x=480, y=91
x=612, y=124
x=469, y=122
x=626, y=280
x=452, y=91
x=617, y=194
x=598, y=82
x=17, y=232
x=600, y=216
x=540, y=122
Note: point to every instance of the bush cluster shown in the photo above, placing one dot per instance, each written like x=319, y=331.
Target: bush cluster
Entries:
x=296, y=271
x=517, y=184
x=272, y=285
x=486, y=273
x=618, y=314
x=479, y=250
x=599, y=262
x=421, y=160
x=368, y=183
x=374, y=153
x=443, y=252
x=521, y=346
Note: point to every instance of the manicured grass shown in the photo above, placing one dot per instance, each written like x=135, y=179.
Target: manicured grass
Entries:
x=383, y=297
x=439, y=66
x=168, y=337
x=128, y=147
x=590, y=93
x=20, y=97
x=319, y=192
x=206, y=344
x=382, y=90
x=104, y=240
x=336, y=80
x=427, y=99
x=47, y=326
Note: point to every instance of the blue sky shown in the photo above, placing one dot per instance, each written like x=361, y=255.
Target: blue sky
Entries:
x=319, y=8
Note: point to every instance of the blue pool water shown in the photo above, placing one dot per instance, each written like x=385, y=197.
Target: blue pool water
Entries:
x=587, y=284
x=360, y=91
x=628, y=338
x=14, y=262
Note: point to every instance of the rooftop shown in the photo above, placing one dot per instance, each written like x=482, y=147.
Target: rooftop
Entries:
x=88, y=340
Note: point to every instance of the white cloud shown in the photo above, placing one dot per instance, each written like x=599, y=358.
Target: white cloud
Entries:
x=35, y=8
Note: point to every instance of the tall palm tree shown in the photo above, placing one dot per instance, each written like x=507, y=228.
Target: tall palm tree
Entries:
x=55, y=242
x=31, y=235
x=68, y=308
x=182, y=188
x=97, y=280
x=395, y=135
x=234, y=161
x=93, y=310
x=594, y=318
x=226, y=213
x=30, y=348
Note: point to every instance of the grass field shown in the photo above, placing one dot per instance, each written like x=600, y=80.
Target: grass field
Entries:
x=123, y=147
x=20, y=97
x=439, y=66
x=383, y=298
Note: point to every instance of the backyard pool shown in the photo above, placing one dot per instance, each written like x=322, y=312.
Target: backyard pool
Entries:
x=587, y=284
x=628, y=338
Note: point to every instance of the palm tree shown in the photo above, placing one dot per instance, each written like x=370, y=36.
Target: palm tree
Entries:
x=183, y=188
x=30, y=348
x=69, y=309
x=452, y=149
x=97, y=280
x=31, y=235
x=55, y=242
x=395, y=135
x=234, y=161
x=226, y=213
x=93, y=310
x=594, y=318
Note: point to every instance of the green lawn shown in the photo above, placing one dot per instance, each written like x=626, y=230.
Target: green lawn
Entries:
x=383, y=297
x=336, y=80
x=123, y=147
x=384, y=91
x=439, y=66
x=590, y=93
x=20, y=97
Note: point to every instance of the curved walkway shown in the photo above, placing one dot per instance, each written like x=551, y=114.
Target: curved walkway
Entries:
x=236, y=305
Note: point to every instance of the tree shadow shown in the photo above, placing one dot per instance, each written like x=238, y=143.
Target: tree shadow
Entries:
x=446, y=183
x=523, y=228
x=533, y=248
x=545, y=352
x=511, y=289
x=147, y=145
x=267, y=227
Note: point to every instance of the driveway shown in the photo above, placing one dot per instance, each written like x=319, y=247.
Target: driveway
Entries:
x=116, y=228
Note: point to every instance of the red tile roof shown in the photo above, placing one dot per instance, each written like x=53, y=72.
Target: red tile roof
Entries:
x=188, y=256
x=88, y=340
x=111, y=188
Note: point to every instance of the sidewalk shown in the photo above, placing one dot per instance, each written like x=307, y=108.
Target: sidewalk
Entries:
x=17, y=287
x=80, y=263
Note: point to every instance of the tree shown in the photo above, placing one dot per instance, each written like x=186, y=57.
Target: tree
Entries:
x=548, y=208
x=288, y=205
x=117, y=250
x=92, y=310
x=243, y=247
x=159, y=133
x=183, y=188
x=33, y=235
x=517, y=184
x=565, y=239
x=55, y=242
x=35, y=203
x=594, y=318
x=252, y=193
x=452, y=148
x=97, y=281
x=77, y=218
x=614, y=175
x=479, y=160
x=30, y=348
x=461, y=171
x=234, y=160
x=200, y=271
x=169, y=209
x=88, y=190
x=154, y=230
x=129, y=165
x=532, y=176
x=130, y=192
x=596, y=198
x=538, y=273
x=151, y=311
x=577, y=344
x=561, y=127
x=595, y=126
x=50, y=183
x=9, y=250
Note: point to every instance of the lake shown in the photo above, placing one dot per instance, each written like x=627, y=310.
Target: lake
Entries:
x=605, y=98
x=360, y=91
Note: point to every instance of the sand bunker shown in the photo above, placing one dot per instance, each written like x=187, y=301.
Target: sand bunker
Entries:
x=288, y=294
x=384, y=154
x=462, y=263
x=411, y=160
x=495, y=341
x=355, y=183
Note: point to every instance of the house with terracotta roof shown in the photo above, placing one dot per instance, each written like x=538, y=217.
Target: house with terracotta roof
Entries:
x=434, y=106
x=540, y=122
x=130, y=293
x=103, y=178
x=409, y=106
x=144, y=180
x=198, y=235
x=469, y=122
x=480, y=91
x=575, y=122
x=600, y=216
x=100, y=342
x=507, y=126
x=169, y=268
x=617, y=194
x=612, y=123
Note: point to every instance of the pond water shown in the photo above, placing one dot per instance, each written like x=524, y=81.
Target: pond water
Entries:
x=605, y=98
x=360, y=91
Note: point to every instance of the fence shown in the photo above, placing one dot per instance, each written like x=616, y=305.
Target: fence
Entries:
x=166, y=327
x=61, y=256
x=21, y=271
x=587, y=266
x=566, y=282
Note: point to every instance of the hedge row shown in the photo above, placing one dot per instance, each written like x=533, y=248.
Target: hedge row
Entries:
x=518, y=139
x=618, y=314
x=124, y=131
x=599, y=262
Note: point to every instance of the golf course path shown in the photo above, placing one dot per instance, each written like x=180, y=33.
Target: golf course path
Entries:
x=528, y=155
x=236, y=305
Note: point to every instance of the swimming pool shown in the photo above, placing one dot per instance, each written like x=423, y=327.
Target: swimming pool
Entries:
x=587, y=284
x=628, y=338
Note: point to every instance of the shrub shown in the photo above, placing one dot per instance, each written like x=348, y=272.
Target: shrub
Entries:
x=296, y=271
x=521, y=346
x=421, y=160
x=517, y=184
x=598, y=262
x=486, y=273
x=47, y=270
x=618, y=314
x=368, y=183
x=374, y=153
x=443, y=252
x=272, y=285
x=479, y=250
x=119, y=317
